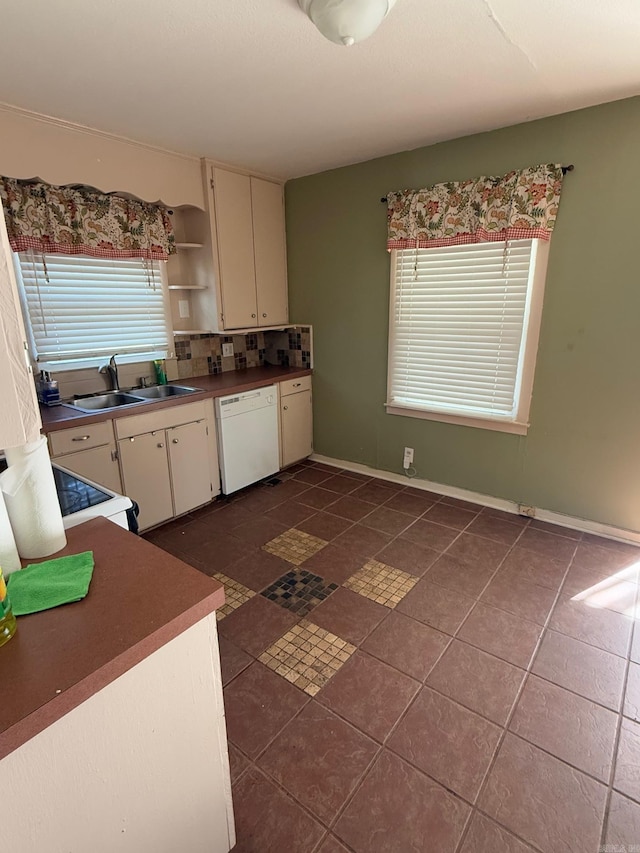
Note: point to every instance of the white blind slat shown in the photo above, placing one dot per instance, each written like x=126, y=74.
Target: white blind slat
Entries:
x=458, y=322
x=88, y=307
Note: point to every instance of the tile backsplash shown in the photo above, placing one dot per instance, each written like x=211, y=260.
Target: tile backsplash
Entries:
x=201, y=354
x=198, y=355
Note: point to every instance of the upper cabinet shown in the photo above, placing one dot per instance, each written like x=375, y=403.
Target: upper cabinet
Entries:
x=230, y=271
x=248, y=218
x=231, y=202
x=270, y=252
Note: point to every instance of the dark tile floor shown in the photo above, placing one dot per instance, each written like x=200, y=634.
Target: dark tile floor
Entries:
x=420, y=674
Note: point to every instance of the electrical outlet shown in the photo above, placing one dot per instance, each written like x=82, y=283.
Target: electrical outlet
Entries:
x=408, y=457
x=183, y=308
x=529, y=511
x=227, y=349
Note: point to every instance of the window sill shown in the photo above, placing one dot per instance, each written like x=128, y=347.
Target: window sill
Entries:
x=512, y=427
x=97, y=362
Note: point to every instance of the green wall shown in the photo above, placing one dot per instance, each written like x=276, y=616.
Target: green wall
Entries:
x=581, y=454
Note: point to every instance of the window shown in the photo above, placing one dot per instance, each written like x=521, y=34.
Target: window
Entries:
x=463, y=333
x=81, y=309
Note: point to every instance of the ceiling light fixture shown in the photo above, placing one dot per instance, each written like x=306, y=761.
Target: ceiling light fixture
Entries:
x=346, y=22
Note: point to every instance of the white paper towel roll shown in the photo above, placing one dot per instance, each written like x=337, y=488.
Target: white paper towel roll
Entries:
x=31, y=499
x=9, y=559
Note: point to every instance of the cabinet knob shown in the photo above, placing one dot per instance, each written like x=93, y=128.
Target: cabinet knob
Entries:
x=81, y=438
x=264, y=315
x=253, y=315
x=297, y=384
x=175, y=440
x=160, y=444
x=286, y=408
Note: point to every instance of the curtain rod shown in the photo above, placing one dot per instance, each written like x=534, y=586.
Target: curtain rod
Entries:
x=565, y=169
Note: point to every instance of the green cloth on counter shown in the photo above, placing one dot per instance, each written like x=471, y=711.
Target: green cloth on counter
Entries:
x=40, y=586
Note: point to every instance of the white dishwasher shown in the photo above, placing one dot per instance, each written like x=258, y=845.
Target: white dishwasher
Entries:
x=248, y=443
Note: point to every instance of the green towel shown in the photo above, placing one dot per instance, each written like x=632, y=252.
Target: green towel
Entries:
x=40, y=586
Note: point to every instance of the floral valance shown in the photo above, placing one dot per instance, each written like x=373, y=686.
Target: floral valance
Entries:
x=83, y=221
x=519, y=205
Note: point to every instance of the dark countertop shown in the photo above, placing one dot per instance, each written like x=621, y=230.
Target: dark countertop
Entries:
x=140, y=598
x=232, y=382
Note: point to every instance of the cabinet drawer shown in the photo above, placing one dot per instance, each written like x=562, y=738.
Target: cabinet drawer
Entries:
x=160, y=419
x=293, y=386
x=80, y=438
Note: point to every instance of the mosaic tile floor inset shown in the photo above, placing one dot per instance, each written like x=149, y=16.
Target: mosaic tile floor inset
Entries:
x=381, y=583
x=235, y=594
x=295, y=546
x=299, y=591
x=307, y=656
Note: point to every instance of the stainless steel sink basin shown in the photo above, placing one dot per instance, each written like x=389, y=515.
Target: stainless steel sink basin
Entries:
x=100, y=402
x=116, y=399
x=159, y=392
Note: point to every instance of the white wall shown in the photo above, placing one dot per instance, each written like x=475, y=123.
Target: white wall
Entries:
x=61, y=153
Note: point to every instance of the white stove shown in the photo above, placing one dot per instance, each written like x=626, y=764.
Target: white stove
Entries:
x=81, y=499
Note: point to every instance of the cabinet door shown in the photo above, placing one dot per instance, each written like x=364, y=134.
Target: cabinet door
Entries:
x=189, y=461
x=97, y=464
x=267, y=203
x=296, y=426
x=234, y=229
x=145, y=475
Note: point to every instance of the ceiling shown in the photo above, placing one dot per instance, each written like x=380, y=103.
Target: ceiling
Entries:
x=253, y=83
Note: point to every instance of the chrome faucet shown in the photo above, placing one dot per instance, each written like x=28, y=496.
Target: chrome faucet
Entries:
x=112, y=370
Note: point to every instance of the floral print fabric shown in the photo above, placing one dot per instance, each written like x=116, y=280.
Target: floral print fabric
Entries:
x=519, y=205
x=83, y=221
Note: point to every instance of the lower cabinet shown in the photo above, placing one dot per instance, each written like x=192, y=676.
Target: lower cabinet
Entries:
x=296, y=421
x=88, y=452
x=147, y=480
x=187, y=445
x=168, y=460
x=119, y=762
x=99, y=464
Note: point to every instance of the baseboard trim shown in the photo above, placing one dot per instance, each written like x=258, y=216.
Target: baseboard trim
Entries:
x=584, y=525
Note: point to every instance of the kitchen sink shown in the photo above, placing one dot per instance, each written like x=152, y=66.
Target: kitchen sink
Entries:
x=101, y=402
x=159, y=392
x=116, y=399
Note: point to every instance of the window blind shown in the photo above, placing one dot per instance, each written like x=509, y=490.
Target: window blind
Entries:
x=81, y=307
x=458, y=328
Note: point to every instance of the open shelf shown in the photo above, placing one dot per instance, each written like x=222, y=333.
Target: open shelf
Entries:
x=193, y=332
x=189, y=245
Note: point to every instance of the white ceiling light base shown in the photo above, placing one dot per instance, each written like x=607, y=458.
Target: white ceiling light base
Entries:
x=346, y=22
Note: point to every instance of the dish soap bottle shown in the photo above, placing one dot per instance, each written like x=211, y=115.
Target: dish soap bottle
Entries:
x=7, y=619
x=161, y=374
